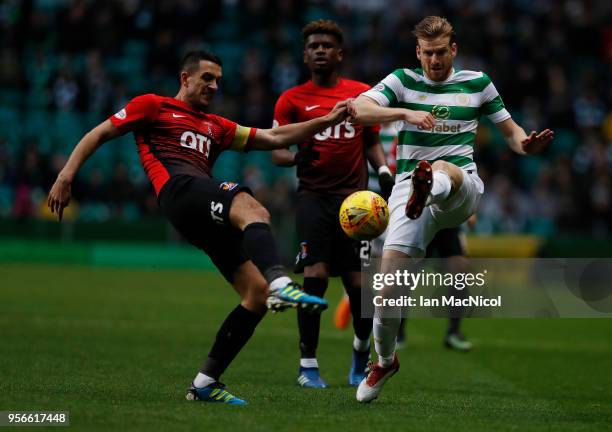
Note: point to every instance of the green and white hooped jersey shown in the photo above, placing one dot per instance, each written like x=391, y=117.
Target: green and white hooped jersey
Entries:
x=457, y=104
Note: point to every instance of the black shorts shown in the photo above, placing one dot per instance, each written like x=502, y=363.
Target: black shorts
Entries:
x=321, y=237
x=446, y=243
x=198, y=208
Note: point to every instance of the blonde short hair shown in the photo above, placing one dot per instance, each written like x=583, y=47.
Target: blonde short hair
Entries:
x=433, y=27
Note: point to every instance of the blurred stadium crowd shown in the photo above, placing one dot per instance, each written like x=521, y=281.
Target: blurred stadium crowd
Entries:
x=66, y=65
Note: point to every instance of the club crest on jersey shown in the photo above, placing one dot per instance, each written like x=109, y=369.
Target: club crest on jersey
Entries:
x=228, y=186
x=121, y=115
x=303, y=251
x=209, y=128
x=462, y=99
x=441, y=112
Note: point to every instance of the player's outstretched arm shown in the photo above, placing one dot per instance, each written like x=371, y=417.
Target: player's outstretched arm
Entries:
x=284, y=136
x=59, y=196
x=522, y=143
x=366, y=111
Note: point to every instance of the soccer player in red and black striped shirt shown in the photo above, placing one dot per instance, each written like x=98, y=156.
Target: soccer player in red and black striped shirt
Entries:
x=330, y=166
x=178, y=142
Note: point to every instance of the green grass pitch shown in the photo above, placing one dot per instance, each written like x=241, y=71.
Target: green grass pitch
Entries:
x=117, y=348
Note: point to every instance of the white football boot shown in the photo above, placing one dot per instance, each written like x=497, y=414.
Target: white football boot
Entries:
x=372, y=384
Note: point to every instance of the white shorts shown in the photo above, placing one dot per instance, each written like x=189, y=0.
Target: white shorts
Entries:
x=412, y=236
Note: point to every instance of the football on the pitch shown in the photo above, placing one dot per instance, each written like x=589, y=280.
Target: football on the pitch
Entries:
x=364, y=215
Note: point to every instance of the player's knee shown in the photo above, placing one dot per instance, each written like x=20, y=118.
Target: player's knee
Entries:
x=318, y=270
x=440, y=165
x=246, y=210
x=259, y=290
x=455, y=174
x=352, y=281
x=253, y=210
x=256, y=296
x=260, y=214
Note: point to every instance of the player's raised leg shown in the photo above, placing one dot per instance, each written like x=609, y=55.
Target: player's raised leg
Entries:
x=253, y=219
x=432, y=184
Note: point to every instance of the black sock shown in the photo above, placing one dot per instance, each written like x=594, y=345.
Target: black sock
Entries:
x=309, y=324
x=361, y=326
x=456, y=312
x=260, y=246
x=453, y=325
x=234, y=333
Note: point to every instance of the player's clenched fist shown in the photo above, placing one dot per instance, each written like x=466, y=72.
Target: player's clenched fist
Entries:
x=339, y=112
x=422, y=119
x=351, y=108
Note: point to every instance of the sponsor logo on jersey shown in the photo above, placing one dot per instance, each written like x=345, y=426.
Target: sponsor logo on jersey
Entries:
x=311, y=107
x=379, y=87
x=177, y=115
x=443, y=127
x=196, y=142
x=209, y=128
x=422, y=97
x=342, y=130
x=462, y=99
x=228, y=186
x=441, y=112
x=216, y=212
x=121, y=115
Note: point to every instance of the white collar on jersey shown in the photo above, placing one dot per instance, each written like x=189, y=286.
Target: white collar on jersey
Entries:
x=436, y=83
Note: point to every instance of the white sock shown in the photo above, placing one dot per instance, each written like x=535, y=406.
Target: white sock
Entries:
x=385, y=361
x=361, y=345
x=385, y=335
x=202, y=380
x=309, y=363
x=441, y=187
x=279, y=283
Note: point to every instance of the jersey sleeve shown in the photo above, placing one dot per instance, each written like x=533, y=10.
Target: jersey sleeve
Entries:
x=388, y=92
x=235, y=137
x=492, y=105
x=140, y=111
x=282, y=112
x=373, y=129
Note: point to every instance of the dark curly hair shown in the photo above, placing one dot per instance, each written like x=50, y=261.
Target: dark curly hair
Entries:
x=323, y=27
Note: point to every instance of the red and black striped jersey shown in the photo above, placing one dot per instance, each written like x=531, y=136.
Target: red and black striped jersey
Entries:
x=173, y=138
x=342, y=167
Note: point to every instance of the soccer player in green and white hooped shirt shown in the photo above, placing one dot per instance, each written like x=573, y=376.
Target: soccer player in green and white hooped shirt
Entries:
x=437, y=185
